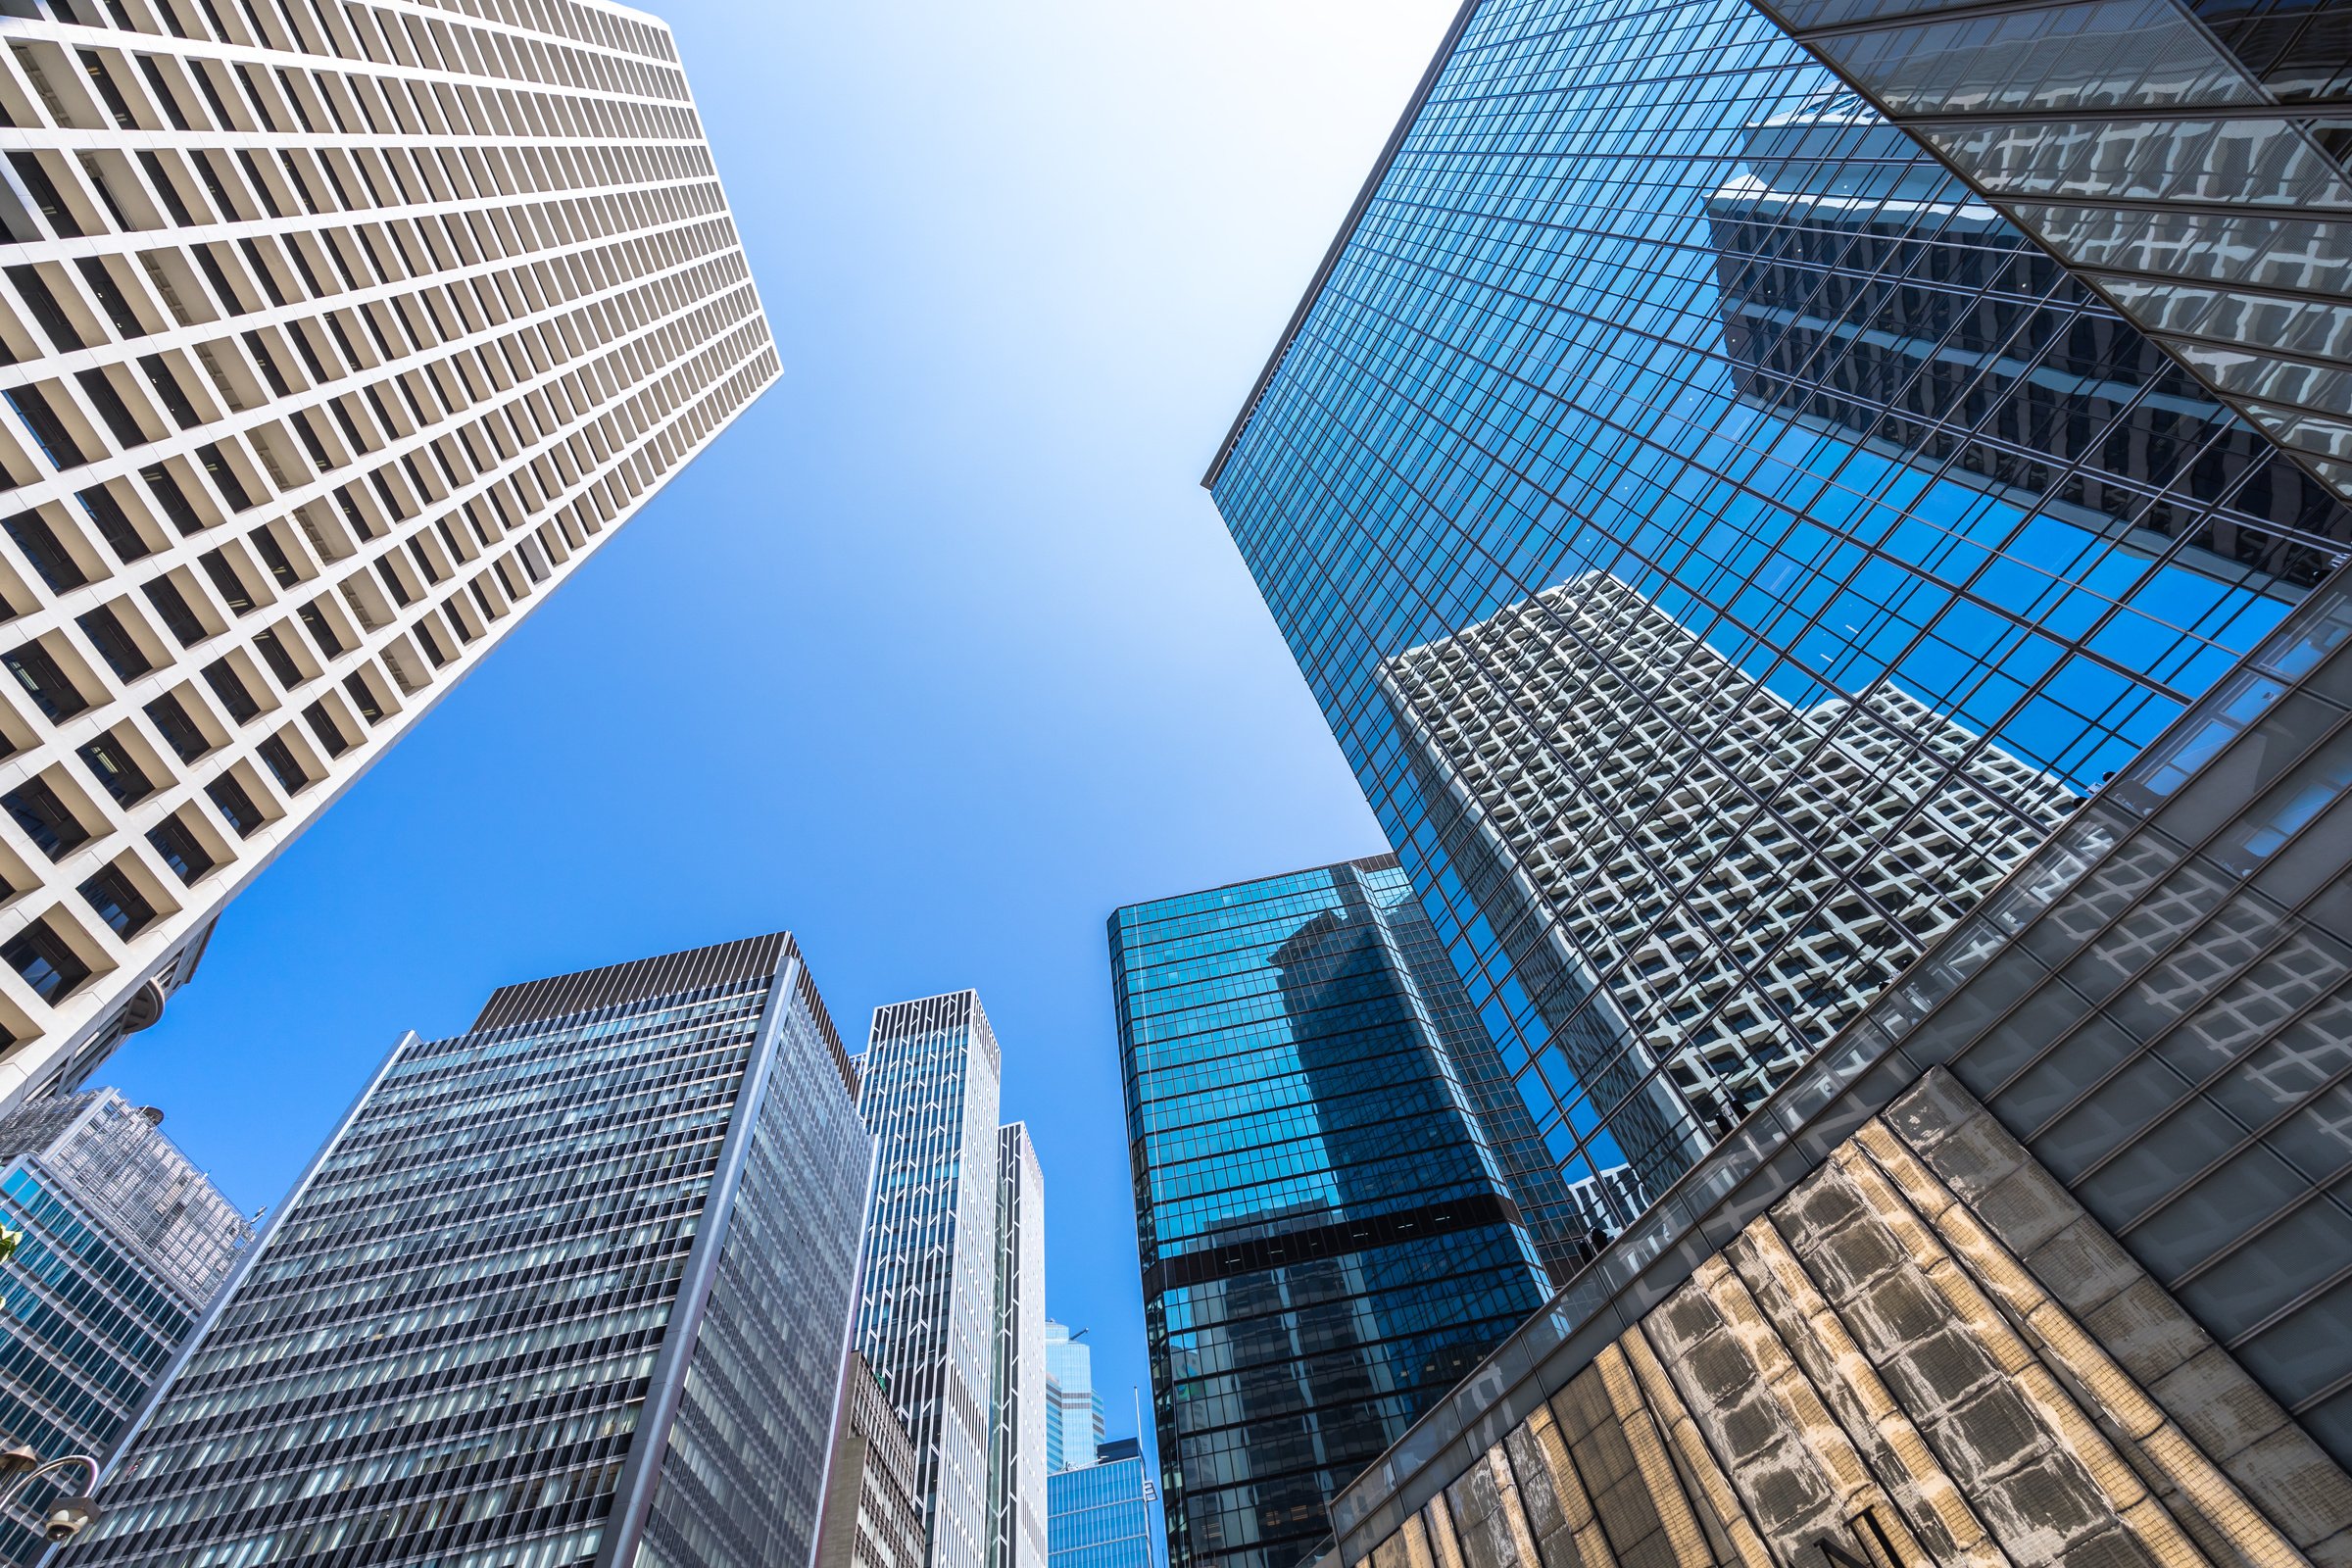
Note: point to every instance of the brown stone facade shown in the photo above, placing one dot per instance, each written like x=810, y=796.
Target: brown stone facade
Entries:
x=1925, y=1353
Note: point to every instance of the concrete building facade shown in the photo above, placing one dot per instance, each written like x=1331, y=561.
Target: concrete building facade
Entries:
x=335, y=338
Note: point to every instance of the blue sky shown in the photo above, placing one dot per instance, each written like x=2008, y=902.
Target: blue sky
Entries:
x=940, y=653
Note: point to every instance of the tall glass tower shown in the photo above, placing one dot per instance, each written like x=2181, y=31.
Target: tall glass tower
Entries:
x=1725, y=545
x=1074, y=1422
x=124, y=1245
x=571, y=1288
x=1331, y=1236
x=928, y=1320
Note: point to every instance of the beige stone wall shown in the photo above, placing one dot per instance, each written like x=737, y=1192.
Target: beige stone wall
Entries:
x=1925, y=1352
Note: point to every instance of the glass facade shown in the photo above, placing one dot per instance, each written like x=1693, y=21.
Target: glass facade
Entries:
x=2186, y=158
x=1329, y=1234
x=573, y=1287
x=125, y=1243
x=1724, y=545
x=1073, y=1409
x=1101, y=1515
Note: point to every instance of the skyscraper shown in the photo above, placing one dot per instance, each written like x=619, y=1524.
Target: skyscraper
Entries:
x=928, y=1322
x=1073, y=1408
x=1103, y=1515
x=124, y=1245
x=1018, y=1397
x=1903, y=505
x=2040, y=1249
x=1330, y=1232
x=573, y=1287
x=336, y=338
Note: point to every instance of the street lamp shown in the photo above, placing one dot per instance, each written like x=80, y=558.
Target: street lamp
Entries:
x=68, y=1516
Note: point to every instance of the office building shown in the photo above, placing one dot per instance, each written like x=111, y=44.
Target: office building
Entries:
x=1103, y=1513
x=1531, y=730
x=1586, y=326
x=871, y=1519
x=1329, y=1235
x=2224, y=232
x=928, y=1320
x=573, y=1287
x=1018, y=1396
x=2042, y=1259
x=1074, y=1422
x=124, y=1246
x=2040, y=1253
x=336, y=337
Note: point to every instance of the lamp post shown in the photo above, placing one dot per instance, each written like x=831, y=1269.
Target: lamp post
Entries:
x=69, y=1516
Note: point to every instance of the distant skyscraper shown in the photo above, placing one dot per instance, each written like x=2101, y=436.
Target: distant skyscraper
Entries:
x=928, y=1323
x=1103, y=1513
x=1330, y=1234
x=1914, y=537
x=871, y=1518
x=336, y=338
x=124, y=1245
x=1019, y=1397
x=594, y=1256
x=1074, y=1409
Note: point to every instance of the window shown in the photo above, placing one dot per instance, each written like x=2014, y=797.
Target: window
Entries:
x=363, y=697
x=236, y=806
x=173, y=722
x=44, y=682
x=233, y=591
x=282, y=761
x=180, y=849
x=173, y=499
x=48, y=965
x=118, y=904
x=331, y=734
x=116, y=772
x=281, y=663
x=114, y=642
x=45, y=820
x=47, y=553
x=222, y=678
x=43, y=301
x=56, y=442
x=113, y=525
x=173, y=605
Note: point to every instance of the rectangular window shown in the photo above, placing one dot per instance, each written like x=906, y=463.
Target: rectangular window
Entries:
x=116, y=772
x=53, y=829
x=180, y=849
x=111, y=409
x=118, y=904
x=45, y=551
x=173, y=605
x=168, y=391
x=114, y=642
x=178, y=729
x=111, y=298
x=284, y=764
x=331, y=734
x=222, y=678
x=173, y=499
x=281, y=663
x=44, y=303
x=363, y=698
x=216, y=463
x=113, y=525
x=42, y=958
x=44, y=682
x=233, y=591
x=236, y=806
x=48, y=431
x=273, y=556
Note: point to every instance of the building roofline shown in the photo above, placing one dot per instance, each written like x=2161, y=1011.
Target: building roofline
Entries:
x=1339, y=245
x=1377, y=861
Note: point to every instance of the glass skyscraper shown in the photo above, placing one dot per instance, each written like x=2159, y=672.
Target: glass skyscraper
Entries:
x=1872, y=726
x=124, y=1245
x=1723, y=546
x=571, y=1288
x=1074, y=1422
x=1102, y=1511
x=1330, y=1234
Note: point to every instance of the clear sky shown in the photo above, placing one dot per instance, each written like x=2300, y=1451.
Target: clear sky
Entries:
x=940, y=653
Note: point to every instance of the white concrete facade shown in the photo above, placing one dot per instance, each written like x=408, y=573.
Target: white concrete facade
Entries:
x=1740, y=874
x=1017, y=1409
x=338, y=335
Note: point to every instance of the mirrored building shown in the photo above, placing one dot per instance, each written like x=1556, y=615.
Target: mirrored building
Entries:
x=1329, y=1236
x=124, y=1245
x=571, y=1288
x=1649, y=298
x=1103, y=1513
